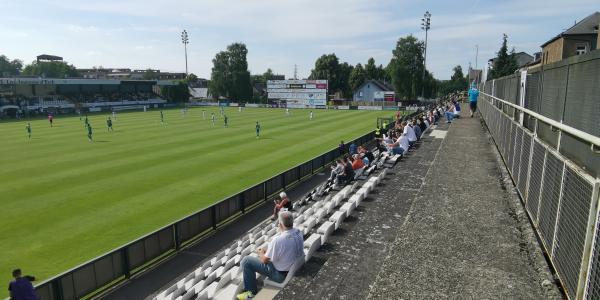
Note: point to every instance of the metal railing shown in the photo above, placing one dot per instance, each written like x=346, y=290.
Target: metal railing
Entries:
x=118, y=265
x=560, y=197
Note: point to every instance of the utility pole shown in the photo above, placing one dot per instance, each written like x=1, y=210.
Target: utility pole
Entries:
x=476, y=55
x=185, y=41
x=425, y=25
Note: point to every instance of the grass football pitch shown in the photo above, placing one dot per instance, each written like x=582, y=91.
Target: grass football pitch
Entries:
x=65, y=200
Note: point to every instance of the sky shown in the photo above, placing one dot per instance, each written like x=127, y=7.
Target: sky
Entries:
x=279, y=34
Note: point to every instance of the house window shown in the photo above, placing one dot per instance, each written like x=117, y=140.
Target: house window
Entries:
x=581, y=48
x=360, y=94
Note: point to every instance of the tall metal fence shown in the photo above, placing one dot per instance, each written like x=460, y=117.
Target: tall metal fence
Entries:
x=121, y=263
x=546, y=125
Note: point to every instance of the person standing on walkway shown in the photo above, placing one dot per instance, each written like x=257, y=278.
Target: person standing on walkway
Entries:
x=473, y=94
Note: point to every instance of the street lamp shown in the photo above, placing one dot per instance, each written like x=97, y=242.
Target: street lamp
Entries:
x=185, y=41
x=425, y=25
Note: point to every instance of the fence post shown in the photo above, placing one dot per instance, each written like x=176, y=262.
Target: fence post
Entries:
x=56, y=289
x=265, y=191
x=175, y=232
x=241, y=198
x=214, y=216
x=125, y=262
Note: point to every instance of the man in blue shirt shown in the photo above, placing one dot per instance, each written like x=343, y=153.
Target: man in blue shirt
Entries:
x=21, y=288
x=473, y=94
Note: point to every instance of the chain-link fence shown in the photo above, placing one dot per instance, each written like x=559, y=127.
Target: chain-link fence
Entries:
x=546, y=127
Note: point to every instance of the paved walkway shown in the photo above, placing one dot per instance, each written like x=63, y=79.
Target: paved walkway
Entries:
x=446, y=224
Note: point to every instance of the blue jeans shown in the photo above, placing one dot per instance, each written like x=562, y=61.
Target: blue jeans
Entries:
x=252, y=265
x=449, y=116
x=397, y=150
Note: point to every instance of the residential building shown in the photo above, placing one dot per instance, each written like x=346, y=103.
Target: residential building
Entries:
x=581, y=38
x=373, y=90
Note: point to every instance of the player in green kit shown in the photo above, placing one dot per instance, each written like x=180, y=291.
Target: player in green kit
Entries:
x=28, y=127
x=109, y=124
x=162, y=118
x=89, y=128
x=225, y=120
x=212, y=117
x=86, y=122
x=257, y=130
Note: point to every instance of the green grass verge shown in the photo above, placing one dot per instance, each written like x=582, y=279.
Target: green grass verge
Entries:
x=66, y=200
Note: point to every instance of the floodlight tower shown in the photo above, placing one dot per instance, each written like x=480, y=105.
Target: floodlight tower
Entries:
x=425, y=25
x=185, y=41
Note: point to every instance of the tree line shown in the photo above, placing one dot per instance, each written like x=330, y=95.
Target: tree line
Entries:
x=231, y=79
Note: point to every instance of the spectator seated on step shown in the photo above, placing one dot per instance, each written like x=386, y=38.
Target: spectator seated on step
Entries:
x=400, y=146
x=409, y=132
x=348, y=175
x=449, y=113
x=280, y=203
x=352, y=149
x=276, y=260
x=357, y=162
x=456, y=109
x=336, y=170
x=416, y=128
x=366, y=154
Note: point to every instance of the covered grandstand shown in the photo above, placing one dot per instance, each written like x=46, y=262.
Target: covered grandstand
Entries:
x=57, y=95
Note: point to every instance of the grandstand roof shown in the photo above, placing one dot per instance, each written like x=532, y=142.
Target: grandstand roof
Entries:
x=47, y=57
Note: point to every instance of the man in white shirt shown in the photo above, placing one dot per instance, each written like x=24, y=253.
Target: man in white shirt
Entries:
x=275, y=261
x=410, y=133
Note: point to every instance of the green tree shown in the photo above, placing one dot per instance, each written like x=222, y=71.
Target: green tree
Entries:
x=406, y=67
x=504, y=63
x=230, y=76
x=268, y=75
x=328, y=67
x=357, y=77
x=191, y=78
x=220, y=79
x=150, y=74
x=10, y=67
x=176, y=93
x=51, y=69
x=457, y=82
x=344, y=76
x=371, y=69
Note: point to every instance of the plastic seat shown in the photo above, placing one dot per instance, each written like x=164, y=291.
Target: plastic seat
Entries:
x=337, y=199
x=356, y=199
x=309, y=224
x=329, y=207
x=292, y=271
x=326, y=229
x=337, y=218
x=320, y=214
x=364, y=191
x=229, y=292
x=311, y=245
x=212, y=289
x=348, y=207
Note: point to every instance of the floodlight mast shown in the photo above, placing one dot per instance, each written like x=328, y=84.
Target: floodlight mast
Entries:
x=185, y=40
x=425, y=25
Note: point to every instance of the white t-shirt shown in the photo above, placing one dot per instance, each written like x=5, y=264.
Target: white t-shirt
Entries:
x=410, y=133
x=285, y=248
x=403, y=142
